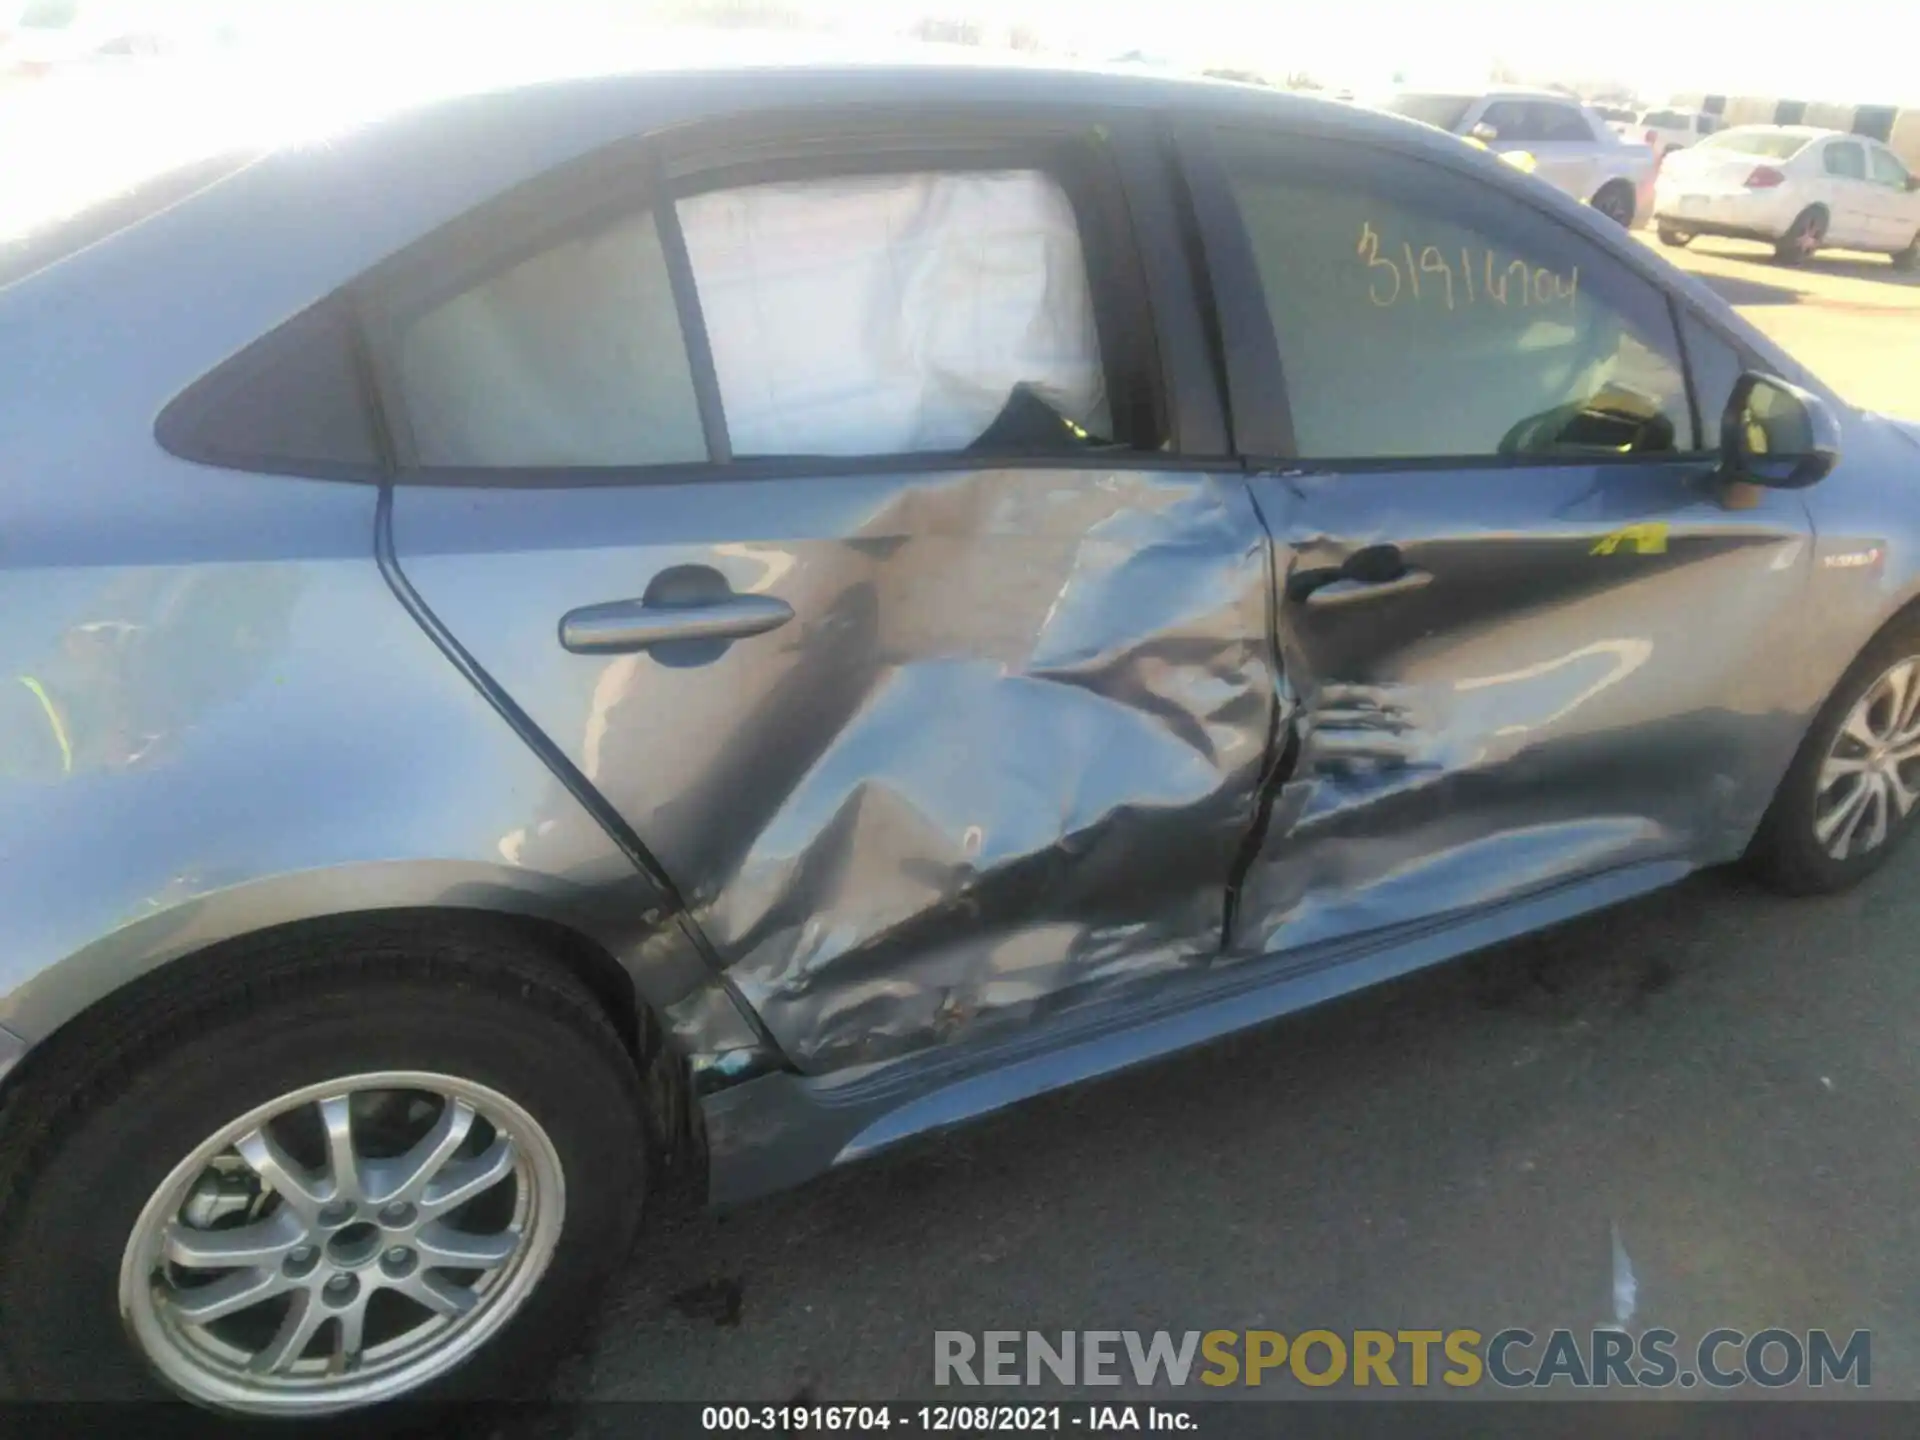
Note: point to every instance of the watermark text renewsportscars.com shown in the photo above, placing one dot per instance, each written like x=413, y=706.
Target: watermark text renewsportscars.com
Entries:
x=1405, y=1359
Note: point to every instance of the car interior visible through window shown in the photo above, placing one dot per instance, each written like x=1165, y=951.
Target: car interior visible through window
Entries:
x=1425, y=315
x=917, y=312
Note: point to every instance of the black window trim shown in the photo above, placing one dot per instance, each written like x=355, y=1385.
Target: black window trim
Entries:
x=182, y=426
x=1256, y=380
x=778, y=145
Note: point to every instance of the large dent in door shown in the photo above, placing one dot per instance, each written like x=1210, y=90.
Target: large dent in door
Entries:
x=1020, y=807
x=1495, y=738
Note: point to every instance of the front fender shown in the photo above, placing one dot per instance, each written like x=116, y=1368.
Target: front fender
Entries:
x=1866, y=523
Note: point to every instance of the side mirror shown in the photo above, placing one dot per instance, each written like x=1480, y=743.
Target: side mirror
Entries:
x=1777, y=434
x=1486, y=134
x=1913, y=182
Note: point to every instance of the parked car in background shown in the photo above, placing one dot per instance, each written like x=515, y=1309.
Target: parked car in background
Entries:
x=706, y=624
x=1569, y=145
x=1798, y=187
x=1665, y=131
x=53, y=35
x=1615, y=116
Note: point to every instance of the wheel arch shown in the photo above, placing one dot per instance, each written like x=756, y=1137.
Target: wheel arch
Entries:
x=1905, y=612
x=137, y=962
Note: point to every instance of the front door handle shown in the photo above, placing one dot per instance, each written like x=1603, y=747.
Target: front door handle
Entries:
x=624, y=626
x=1348, y=592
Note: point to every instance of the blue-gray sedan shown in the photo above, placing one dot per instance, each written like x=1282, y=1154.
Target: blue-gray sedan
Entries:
x=710, y=622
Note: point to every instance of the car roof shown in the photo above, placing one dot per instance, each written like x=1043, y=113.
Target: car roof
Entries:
x=1810, y=131
x=1503, y=92
x=191, y=114
x=409, y=152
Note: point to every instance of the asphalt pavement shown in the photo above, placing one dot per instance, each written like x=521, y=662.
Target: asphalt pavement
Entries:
x=1728, y=1081
x=1853, y=319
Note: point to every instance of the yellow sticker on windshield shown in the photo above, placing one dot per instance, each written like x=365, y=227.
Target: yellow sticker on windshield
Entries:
x=1647, y=539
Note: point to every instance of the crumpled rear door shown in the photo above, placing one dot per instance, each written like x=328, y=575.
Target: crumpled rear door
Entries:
x=934, y=748
x=999, y=762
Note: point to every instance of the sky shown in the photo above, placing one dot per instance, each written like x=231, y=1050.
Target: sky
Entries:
x=1866, y=51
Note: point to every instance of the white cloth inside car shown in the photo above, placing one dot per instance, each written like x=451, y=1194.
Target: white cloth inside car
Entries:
x=887, y=314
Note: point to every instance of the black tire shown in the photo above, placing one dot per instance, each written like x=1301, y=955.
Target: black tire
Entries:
x=1679, y=239
x=1803, y=238
x=1909, y=258
x=1616, y=201
x=1786, y=854
x=112, y=1105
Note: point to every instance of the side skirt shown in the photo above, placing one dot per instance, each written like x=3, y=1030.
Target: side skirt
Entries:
x=777, y=1130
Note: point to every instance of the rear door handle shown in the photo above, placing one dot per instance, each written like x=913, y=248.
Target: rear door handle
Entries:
x=624, y=626
x=1349, y=592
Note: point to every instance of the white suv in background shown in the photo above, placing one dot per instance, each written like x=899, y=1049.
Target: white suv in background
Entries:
x=1798, y=187
x=1665, y=131
x=1569, y=145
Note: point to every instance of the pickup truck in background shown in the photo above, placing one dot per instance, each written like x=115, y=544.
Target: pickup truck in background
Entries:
x=1568, y=145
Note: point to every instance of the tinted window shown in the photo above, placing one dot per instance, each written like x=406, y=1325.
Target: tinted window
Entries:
x=291, y=402
x=1562, y=122
x=1514, y=120
x=871, y=314
x=1887, y=170
x=572, y=357
x=1421, y=313
x=1665, y=120
x=1444, y=112
x=1846, y=160
x=1756, y=140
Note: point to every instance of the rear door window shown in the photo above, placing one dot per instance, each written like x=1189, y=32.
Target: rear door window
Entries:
x=573, y=356
x=894, y=314
x=1846, y=160
x=919, y=312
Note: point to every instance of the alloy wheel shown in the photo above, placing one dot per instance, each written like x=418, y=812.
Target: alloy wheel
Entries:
x=1870, y=779
x=342, y=1245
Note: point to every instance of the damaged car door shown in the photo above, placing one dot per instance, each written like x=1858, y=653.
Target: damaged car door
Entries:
x=811, y=487
x=1532, y=645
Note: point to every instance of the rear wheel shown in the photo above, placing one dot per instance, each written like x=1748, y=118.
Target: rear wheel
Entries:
x=1909, y=258
x=345, y=1177
x=1803, y=238
x=1677, y=238
x=1616, y=202
x=1853, y=790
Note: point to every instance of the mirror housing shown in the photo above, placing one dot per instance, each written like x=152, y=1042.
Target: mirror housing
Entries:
x=1486, y=134
x=1776, y=434
x=1913, y=182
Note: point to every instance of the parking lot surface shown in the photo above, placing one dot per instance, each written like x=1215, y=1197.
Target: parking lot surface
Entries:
x=1853, y=319
x=1728, y=1079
